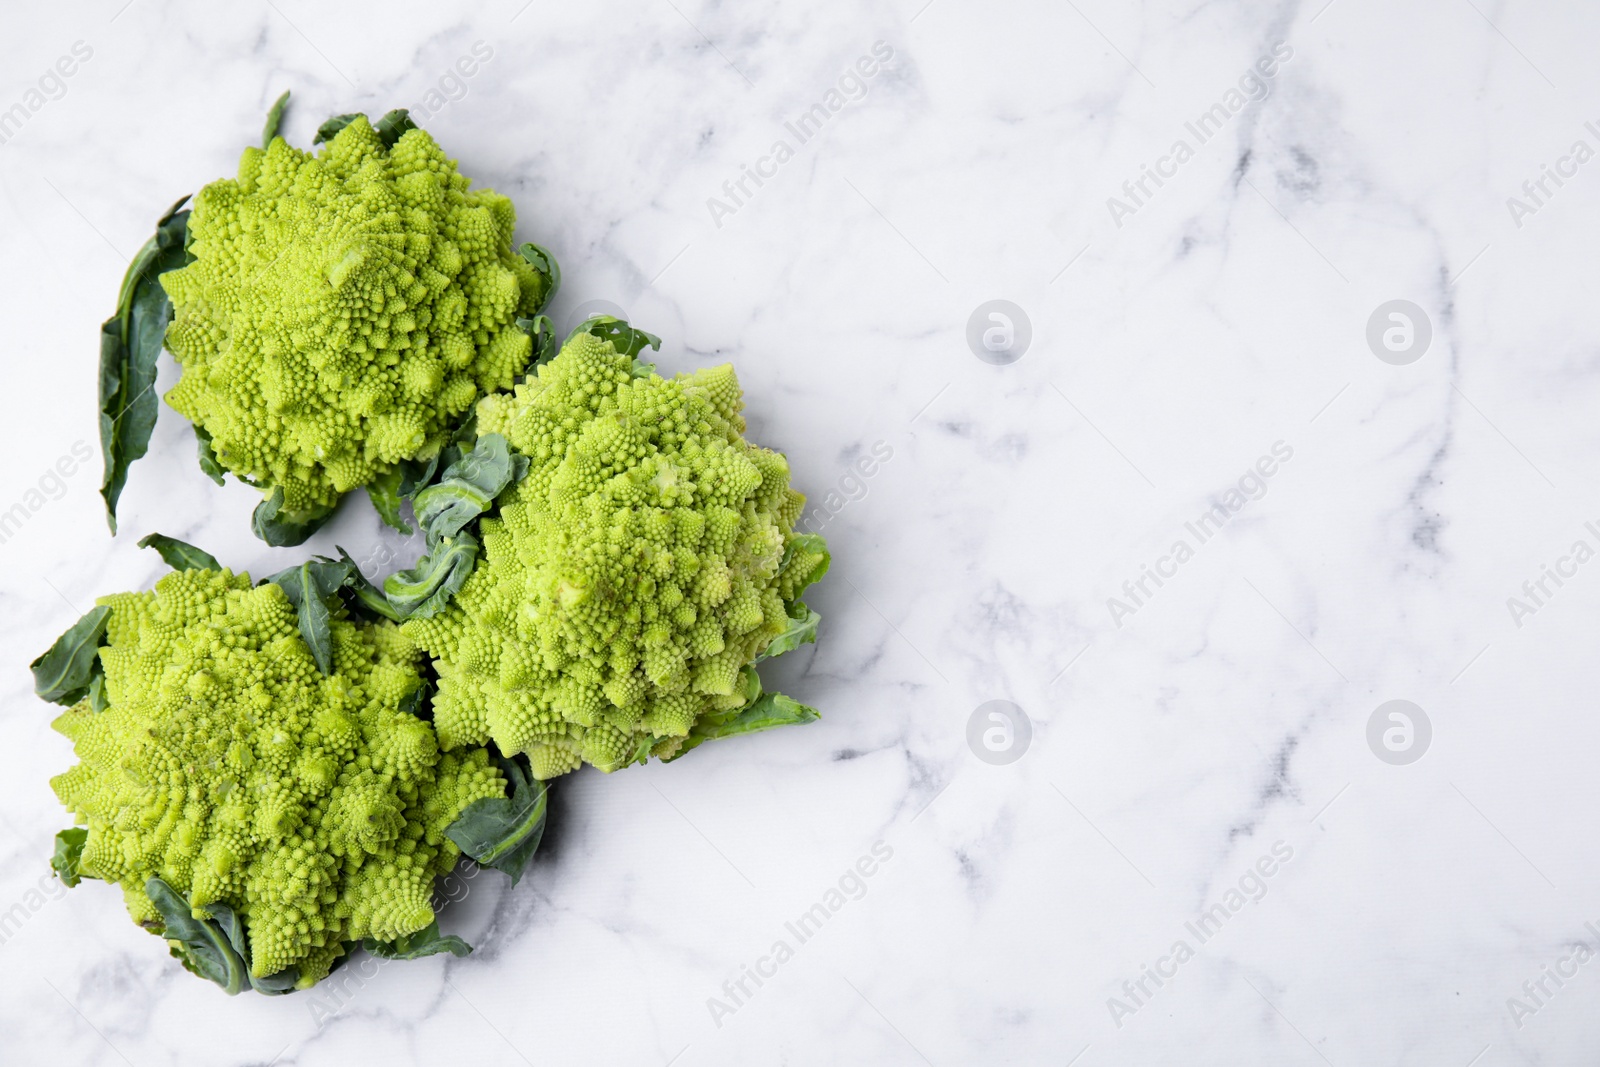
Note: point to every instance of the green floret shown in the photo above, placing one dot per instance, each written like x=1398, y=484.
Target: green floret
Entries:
x=227, y=765
x=343, y=311
x=631, y=578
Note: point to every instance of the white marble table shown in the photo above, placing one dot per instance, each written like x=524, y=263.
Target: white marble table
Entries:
x=1199, y=858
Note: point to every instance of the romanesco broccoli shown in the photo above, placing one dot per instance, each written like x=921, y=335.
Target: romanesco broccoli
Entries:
x=644, y=562
x=342, y=310
x=226, y=764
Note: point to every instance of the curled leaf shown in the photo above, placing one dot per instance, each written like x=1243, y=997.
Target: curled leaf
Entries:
x=801, y=630
x=811, y=543
x=362, y=596
x=282, y=529
x=214, y=948
x=179, y=555
x=540, y=259
x=504, y=832
x=425, y=589
x=64, y=673
x=467, y=487
x=199, y=945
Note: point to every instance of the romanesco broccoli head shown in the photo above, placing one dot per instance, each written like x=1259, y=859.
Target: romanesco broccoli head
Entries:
x=342, y=309
x=630, y=579
x=229, y=766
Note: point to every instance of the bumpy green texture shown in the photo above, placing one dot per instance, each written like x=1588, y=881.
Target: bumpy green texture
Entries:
x=229, y=766
x=343, y=310
x=632, y=576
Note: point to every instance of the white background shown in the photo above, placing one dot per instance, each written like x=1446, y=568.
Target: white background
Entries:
x=1227, y=714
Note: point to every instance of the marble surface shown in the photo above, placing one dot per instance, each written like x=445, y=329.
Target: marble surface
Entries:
x=1199, y=801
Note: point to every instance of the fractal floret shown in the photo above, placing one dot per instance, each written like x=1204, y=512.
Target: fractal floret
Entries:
x=226, y=765
x=343, y=310
x=631, y=579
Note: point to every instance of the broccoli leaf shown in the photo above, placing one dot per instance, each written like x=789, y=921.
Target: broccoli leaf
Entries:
x=504, y=832
x=209, y=464
x=225, y=919
x=415, y=474
x=467, y=487
x=393, y=126
x=542, y=261
x=763, y=712
x=282, y=530
x=425, y=589
x=801, y=630
x=64, y=673
x=201, y=946
x=543, y=332
x=179, y=555
x=214, y=948
x=313, y=588
x=330, y=129
x=97, y=692
x=68, y=859
x=384, y=492
x=412, y=702
x=130, y=341
x=769, y=710
x=627, y=340
x=809, y=543
x=425, y=942
x=364, y=597
x=274, y=120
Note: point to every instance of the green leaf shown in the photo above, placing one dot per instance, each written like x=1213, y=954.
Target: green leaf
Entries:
x=179, y=555
x=545, y=263
x=209, y=464
x=63, y=674
x=130, y=341
x=214, y=948
x=364, y=597
x=384, y=492
x=282, y=529
x=97, y=692
x=504, y=832
x=393, y=126
x=68, y=859
x=330, y=129
x=313, y=588
x=763, y=712
x=425, y=942
x=468, y=487
x=274, y=120
x=809, y=543
x=415, y=474
x=201, y=945
x=543, y=331
x=627, y=340
x=412, y=702
x=425, y=589
x=768, y=710
x=800, y=631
